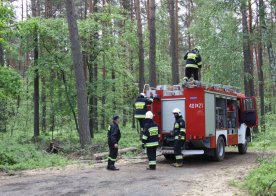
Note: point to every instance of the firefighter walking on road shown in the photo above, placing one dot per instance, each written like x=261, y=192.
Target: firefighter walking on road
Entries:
x=114, y=136
x=141, y=108
x=193, y=64
x=179, y=133
x=150, y=139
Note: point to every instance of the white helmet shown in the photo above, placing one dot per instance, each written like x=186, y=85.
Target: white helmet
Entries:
x=143, y=94
x=176, y=111
x=149, y=115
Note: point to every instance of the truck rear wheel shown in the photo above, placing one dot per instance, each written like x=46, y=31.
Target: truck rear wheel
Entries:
x=169, y=157
x=243, y=147
x=219, y=152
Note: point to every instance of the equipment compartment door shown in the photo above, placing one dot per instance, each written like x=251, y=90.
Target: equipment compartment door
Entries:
x=210, y=114
x=167, y=117
x=249, y=111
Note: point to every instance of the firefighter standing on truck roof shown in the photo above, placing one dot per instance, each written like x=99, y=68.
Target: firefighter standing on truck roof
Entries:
x=150, y=139
x=193, y=64
x=179, y=133
x=114, y=136
x=141, y=108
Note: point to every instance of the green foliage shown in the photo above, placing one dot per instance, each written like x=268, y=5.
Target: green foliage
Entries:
x=20, y=156
x=259, y=181
x=10, y=83
x=19, y=153
x=266, y=140
x=216, y=30
x=10, y=87
x=6, y=16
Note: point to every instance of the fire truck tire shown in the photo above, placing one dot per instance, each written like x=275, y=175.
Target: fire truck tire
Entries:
x=219, y=152
x=243, y=147
x=169, y=157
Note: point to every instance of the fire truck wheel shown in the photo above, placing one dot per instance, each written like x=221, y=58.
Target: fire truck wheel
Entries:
x=243, y=147
x=169, y=157
x=220, y=150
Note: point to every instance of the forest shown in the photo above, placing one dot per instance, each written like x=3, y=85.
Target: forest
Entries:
x=64, y=73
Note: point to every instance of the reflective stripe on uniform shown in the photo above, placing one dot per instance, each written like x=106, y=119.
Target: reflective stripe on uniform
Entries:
x=200, y=63
x=183, y=130
x=176, y=125
x=153, y=128
x=153, y=131
x=145, y=137
x=151, y=144
x=140, y=105
x=176, y=137
x=152, y=162
x=182, y=137
x=111, y=159
x=191, y=56
x=178, y=157
x=139, y=116
x=192, y=65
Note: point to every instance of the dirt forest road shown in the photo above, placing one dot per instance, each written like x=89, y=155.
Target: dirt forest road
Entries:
x=197, y=177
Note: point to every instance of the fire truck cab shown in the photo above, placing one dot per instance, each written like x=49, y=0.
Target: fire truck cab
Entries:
x=216, y=116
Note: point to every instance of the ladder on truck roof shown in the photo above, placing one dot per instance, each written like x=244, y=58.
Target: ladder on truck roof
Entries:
x=226, y=88
x=193, y=84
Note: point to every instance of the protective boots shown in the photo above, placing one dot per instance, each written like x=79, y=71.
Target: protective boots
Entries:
x=112, y=167
x=177, y=164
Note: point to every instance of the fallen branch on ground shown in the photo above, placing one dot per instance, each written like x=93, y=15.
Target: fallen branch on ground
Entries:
x=99, y=156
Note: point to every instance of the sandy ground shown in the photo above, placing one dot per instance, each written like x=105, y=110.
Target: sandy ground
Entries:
x=197, y=177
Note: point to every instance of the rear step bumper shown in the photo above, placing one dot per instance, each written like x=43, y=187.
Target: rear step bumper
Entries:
x=184, y=152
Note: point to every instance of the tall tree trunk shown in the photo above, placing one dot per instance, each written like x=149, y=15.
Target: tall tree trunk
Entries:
x=141, y=46
x=38, y=7
x=152, y=39
x=175, y=71
x=22, y=10
x=250, y=33
x=248, y=68
x=267, y=41
x=177, y=38
x=104, y=93
x=93, y=75
x=48, y=8
x=48, y=14
x=83, y=121
x=52, y=112
x=36, y=75
x=260, y=70
x=2, y=62
x=103, y=115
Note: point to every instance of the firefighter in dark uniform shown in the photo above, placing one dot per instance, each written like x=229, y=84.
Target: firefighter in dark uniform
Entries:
x=150, y=139
x=114, y=136
x=193, y=64
x=141, y=108
x=179, y=133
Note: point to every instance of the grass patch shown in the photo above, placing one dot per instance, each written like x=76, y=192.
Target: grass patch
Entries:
x=15, y=156
x=19, y=152
x=259, y=181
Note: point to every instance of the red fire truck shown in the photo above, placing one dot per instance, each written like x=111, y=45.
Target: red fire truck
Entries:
x=216, y=116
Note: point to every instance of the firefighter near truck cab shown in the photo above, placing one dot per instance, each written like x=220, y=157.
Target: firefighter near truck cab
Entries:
x=216, y=116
